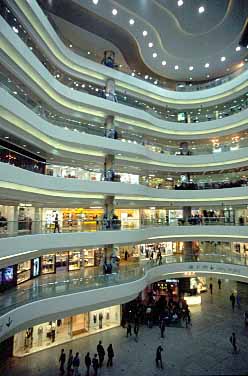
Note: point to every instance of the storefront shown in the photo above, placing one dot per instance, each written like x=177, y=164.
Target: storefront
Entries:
x=166, y=249
x=154, y=216
x=23, y=272
x=73, y=173
x=130, y=218
x=128, y=253
x=53, y=333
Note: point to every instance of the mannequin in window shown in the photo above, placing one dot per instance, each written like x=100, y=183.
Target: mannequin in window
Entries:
x=100, y=320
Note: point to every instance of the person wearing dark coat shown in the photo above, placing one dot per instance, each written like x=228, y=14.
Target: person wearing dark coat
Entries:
x=110, y=352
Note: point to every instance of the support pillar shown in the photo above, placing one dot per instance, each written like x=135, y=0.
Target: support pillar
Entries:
x=187, y=246
x=108, y=167
x=13, y=221
x=37, y=227
x=110, y=90
x=110, y=131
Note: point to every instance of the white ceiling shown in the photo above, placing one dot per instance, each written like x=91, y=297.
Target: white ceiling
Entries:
x=180, y=35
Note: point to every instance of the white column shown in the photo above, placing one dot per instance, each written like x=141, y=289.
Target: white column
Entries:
x=13, y=220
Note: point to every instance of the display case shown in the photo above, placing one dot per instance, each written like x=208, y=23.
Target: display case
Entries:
x=74, y=260
x=23, y=271
x=89, y=257
x=48, y=264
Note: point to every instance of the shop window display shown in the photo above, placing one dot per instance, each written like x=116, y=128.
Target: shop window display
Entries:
x=52, y=333
x=23, y=271
x=48, y=264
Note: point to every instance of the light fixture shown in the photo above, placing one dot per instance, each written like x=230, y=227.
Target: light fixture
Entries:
x=15, y=29
x=70, y=45
x=190, y=78
x=6, y=137
x=145, y=33
x=95, y=2
x=133, y=74
x=208, y=76
x=163, y=62
x=180, y=3
x=146, y=77
x=38, y=152
x=176, y=67
x=150, y=44
x=154, y=55
x=24, y=145
x=114, y=12
x=223, y=58
x=201, y=9
x=155, y=82
x=206, y=65
x=191, y=68
x=131, y=21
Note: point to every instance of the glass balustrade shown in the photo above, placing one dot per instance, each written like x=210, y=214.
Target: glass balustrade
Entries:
x=39, y=288
x=29, y=226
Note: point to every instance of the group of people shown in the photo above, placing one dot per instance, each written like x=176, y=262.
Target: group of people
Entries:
x=214, y=185
x=71, y=364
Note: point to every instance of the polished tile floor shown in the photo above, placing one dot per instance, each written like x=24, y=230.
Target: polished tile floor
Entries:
x=202, y=350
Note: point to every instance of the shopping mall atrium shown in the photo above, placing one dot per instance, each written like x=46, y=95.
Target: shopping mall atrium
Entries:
x=124, y=187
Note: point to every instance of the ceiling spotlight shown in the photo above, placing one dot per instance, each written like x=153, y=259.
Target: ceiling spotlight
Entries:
x=176, y=67
x=190, y=78
x=150, y=44
x=95, y=2
x=238, y=48
x=156, y=82
x=208, y=76
x=114, y=12
x=145, y=33
x=180, y=3
x=15, y=29
x=191, y=68
x=223, y=58
x=133, y=74
x=70, y=45
x=131, y=21
x=206, y=65
x=146, y=77
x=154, y=54
x=163, y=62
x=201, y=10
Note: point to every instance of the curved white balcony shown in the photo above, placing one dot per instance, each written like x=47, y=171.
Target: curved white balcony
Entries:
x=22, y=308
x=68, y=145
x=14, y=250
x=20, y=60
x=19, y=184
x=38, y=25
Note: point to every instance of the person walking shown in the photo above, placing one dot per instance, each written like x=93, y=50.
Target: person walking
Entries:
x=76, y=364
x=162, y=328
x=234, y=342
x=129, y=329
x=110, y=352
x=158, y=359
x=232, y=300
x=136, y=331
x=101, y=353
x=87, y=362
x=95, y=364
x=219, y=283
x=69, y=363
x=62, y=362
x=211, y=288
x=56, y=223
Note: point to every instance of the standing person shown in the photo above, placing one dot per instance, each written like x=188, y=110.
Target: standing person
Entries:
x=233, y=342
x=126, y=255
x=87, y=362
x=110, y=352
x=95, y=364
x=219, y=283
x=159, y=357
x=238, y=300
x=62, y=362
x=136, y=331
x=129, y=329
x=76, y=364
x=69, y=363
x=232, y=300
x=56, y=223
x=211, y=288
x=162, y=328
x=101, y=353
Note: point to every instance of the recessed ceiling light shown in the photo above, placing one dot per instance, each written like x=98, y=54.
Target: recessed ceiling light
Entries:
x=201, y=9
x=176, y=67
x=114, y=12
x=180, y=3
x=15, y=29
x=156, y=82
x=190, y=78
x=223, y=58
x=38, y=152
x=70, y=45
x=150, y=44
x=7, y=137
x=24, y=146
x=208, y=76
x=133, y=74
x=131, y=21
x=238, y=48
x=145, y=33
x=146, y=77
x=154, y=54
x=95, y=2
x=206, y=65
x=191, y=68
x=163, y=62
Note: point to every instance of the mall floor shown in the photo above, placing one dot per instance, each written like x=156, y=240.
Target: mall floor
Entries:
x=203, y=349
